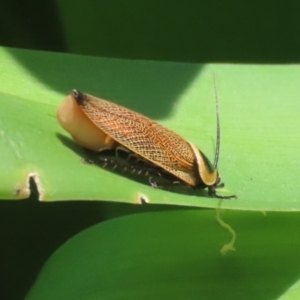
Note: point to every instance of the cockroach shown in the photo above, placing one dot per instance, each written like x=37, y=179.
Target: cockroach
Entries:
x=106, y=125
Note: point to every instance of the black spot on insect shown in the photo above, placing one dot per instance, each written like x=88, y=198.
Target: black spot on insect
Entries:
x=80, y=97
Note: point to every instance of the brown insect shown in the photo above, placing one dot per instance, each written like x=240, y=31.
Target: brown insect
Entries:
x=116, y=126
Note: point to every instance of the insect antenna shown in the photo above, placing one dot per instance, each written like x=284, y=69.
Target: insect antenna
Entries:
x=218, y=125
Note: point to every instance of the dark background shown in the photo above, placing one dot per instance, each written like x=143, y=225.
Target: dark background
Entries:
x=186, y=31
x=189, y=31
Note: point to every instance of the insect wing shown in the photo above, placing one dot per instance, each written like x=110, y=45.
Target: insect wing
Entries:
x=142, y=136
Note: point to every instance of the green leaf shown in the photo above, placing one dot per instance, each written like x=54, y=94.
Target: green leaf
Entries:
x=175, y=255
x=259, y=133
